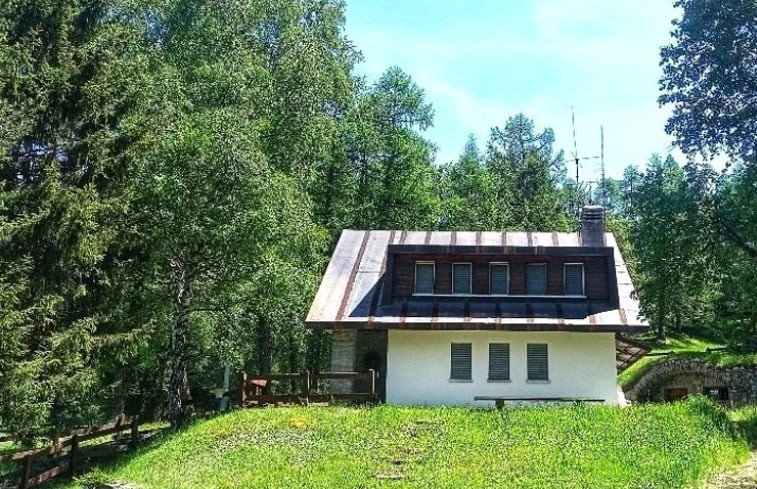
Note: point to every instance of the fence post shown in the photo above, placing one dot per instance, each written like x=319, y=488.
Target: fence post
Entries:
x=243, y=390
x=73, y=455
x=373, y=384
x=134, y=432
x=26, y=473
x=305, y=387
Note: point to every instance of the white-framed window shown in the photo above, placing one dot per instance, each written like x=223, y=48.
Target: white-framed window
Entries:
x=573, y=279
x=536, y=278
x=499, y=361
x=462, y=275
x=425, y=275
x=460, y=361
x=499, y=278
x=537, y=361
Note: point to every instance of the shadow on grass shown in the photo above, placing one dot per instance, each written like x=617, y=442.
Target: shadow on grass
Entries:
x=745, y=420
x=96, y=471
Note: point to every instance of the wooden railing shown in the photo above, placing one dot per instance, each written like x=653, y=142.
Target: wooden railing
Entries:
x=66, y=464
x=259, y=389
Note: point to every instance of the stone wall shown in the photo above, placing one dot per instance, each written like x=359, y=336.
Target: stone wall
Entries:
x=694, y=375
x=358, y=350
x=343, y=344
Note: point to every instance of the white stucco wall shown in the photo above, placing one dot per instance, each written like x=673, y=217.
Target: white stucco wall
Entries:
x=418, y=366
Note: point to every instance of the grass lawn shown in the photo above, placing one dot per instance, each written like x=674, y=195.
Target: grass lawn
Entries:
x=6, y=466
x=672, y=445
x=683, y=345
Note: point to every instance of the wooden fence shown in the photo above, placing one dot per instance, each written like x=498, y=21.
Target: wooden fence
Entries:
x=300, y=388
x=66, y=464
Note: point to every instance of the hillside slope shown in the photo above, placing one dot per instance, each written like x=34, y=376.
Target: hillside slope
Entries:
x=571, y=447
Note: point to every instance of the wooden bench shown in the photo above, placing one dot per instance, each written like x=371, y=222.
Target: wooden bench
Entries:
x=499, y=401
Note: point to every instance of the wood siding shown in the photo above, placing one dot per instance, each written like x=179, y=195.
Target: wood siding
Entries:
x=596, y=278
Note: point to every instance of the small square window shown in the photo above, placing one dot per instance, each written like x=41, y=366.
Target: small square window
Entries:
x=499, y=278
x=461, y=278
x=573, y=279
x=460, y=361
x=536, y=279
x=424, y=277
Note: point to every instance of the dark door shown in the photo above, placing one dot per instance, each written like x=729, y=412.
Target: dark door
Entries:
x=676, y=394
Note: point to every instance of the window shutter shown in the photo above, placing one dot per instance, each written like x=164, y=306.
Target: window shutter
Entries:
x=536, y=279
x=424, y=278
x=461, y=361
x=499, y=361
x=499, y=278
x=461, y=278
x=574, y=279
x=538, y=368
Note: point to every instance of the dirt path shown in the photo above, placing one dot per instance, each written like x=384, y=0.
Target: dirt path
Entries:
x=742, y=477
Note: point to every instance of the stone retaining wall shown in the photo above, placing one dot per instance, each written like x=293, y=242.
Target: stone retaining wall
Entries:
x=694, y=375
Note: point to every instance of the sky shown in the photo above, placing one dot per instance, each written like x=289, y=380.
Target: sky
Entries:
x=482, y=61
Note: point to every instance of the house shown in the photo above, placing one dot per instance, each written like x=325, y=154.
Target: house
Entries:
x=470, y=317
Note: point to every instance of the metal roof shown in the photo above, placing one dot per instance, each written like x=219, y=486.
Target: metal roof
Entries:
x=350, y=292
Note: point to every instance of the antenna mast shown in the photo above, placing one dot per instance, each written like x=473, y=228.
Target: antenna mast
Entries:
x=575, y=145
x=578, y=159
x=603, y=193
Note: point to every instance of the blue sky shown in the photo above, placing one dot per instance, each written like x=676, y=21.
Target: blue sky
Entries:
x=481, y=61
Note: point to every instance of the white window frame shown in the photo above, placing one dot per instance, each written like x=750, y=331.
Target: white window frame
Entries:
x=546, y=278
x=415, y=276
x=583, y=279
x=470, y=283
x=507, y=284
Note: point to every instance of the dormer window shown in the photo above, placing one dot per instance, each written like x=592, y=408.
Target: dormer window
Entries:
x=573, y=279
x=536, y=279
x=461, y=278
x=499, y=278
x=424, y=277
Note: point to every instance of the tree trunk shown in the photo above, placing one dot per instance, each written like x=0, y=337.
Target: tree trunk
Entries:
x=179, y=385
x=661, y=322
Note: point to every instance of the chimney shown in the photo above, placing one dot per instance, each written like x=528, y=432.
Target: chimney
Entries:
x=592, y=226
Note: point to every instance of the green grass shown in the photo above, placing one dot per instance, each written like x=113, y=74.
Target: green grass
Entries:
x=6, y=466
x=745, y=419
x=672, y=445
x=683, y=346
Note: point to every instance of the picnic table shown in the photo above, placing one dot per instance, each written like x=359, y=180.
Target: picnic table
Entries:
x=499, y=401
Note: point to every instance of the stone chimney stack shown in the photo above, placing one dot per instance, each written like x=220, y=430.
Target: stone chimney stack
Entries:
x=592, y=226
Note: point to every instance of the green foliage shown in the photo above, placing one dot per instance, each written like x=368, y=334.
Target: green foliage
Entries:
x=709, y=78
x=514, y=186
x=673, y=445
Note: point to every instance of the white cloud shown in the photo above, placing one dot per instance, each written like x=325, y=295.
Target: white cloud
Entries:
x=480, y=66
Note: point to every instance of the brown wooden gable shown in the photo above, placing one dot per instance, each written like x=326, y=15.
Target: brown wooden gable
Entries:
x=596, y=272
x=369, y=282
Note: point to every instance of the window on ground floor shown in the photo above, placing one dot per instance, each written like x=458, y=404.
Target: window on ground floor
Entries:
x=499, y=361
x=538, y=364
x=460, y=361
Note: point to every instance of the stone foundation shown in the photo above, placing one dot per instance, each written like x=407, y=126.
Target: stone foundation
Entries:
x=694, y=375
